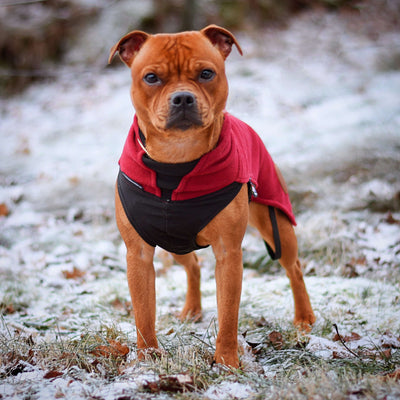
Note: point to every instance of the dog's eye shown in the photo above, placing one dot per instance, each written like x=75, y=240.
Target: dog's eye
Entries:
x=206, y=75
x=151, y=79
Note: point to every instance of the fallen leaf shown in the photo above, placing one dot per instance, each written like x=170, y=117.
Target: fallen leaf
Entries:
x=59, y=394
x=350, y=271
x=152, y=387
x=125, y=306
x=386, y=354
x=74, y=274
x=117, y=303
x=353, y=337
x=392, y=375
x=339, y=355
x=52, y=375
x=170, y=383
x=4, y=210
x=74, y=180
x=7, y=308
x=261, y=322
x=113, y=349
x=276, y=339
x=391, y=220
x=362, y=260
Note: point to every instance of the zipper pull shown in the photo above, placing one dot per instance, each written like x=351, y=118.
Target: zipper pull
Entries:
x=253, y=189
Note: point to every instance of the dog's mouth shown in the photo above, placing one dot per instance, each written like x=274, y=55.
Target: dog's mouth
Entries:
x=183, y=121
x=183, y=111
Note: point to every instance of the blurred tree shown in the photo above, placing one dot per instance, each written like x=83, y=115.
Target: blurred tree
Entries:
x=189, y=15
x=32, y=34
x=172, y=16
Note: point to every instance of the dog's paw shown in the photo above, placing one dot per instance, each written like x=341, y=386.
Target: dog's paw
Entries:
x=229, y=360
x=150, y=353
x=305, y=322
x=191, y=314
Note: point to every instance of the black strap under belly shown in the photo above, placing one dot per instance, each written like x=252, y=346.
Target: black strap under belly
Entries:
x=277, y=254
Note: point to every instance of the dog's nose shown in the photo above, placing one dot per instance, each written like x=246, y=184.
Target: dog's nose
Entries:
x=183, y=100
x=183, y=111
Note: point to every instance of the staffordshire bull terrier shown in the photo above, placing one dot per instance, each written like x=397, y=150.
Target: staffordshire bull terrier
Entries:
x=191, y=176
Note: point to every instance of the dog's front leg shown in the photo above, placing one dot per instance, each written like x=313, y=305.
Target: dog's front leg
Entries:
x=225, y=234
x=228, y=275
x=141, y=280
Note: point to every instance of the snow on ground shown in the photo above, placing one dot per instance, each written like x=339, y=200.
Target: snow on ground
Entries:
x=326, y=105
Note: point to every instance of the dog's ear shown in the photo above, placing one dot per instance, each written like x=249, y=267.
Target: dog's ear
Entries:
x=222, y=39
x=128, y=46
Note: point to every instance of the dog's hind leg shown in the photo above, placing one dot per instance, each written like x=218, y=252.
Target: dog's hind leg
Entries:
x=192, y=307
x=260, y=219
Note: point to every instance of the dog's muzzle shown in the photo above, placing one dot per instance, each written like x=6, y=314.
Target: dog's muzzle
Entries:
x=183, y=111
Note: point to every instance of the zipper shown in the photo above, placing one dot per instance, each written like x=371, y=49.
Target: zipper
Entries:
x=132, y=181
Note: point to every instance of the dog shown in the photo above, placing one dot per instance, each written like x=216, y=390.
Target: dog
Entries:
x=191, y=176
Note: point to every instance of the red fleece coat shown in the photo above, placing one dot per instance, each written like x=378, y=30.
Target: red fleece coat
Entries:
x=240, y=156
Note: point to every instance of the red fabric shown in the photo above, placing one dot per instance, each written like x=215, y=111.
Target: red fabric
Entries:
x=240, y=156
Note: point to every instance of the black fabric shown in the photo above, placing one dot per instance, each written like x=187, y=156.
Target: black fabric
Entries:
x=168, y=175
x=277, y=240
x=172, y=225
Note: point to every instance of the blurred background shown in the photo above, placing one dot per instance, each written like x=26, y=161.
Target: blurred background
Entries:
x=319, y=81
x=38, y=35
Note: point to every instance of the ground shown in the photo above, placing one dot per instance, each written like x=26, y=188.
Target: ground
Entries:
x=323, y=95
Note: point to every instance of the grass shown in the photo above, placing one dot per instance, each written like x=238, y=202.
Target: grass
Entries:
x=272, y=369
x=62, y=353
x=276, y=362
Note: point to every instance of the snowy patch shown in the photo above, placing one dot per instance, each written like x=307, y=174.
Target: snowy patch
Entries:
x=227, y=390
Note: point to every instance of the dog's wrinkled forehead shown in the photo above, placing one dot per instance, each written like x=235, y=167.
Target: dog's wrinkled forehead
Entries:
x=179, y=53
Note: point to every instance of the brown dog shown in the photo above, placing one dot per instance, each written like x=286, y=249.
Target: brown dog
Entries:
x=165, y=195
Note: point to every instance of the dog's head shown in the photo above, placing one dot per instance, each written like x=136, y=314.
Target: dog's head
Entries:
x=178, y=80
